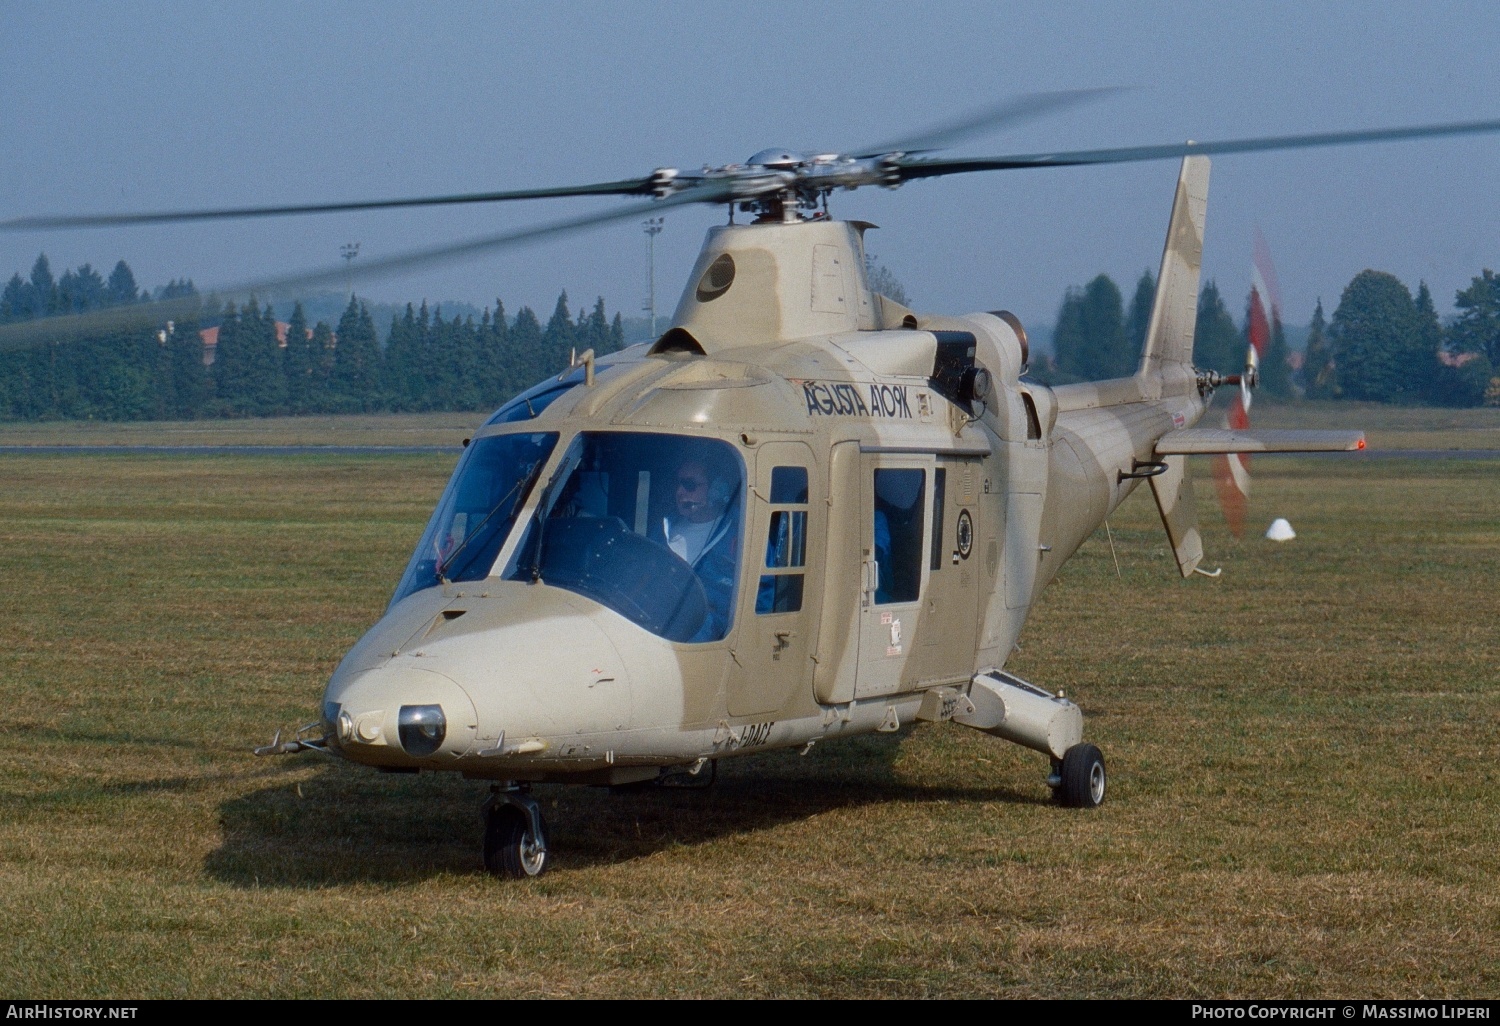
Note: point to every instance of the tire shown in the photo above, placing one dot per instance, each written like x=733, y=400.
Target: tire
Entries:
x=510, y=849
x=1083, y=778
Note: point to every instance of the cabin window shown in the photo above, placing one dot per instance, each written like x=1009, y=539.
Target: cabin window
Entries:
x=780, y=589
x=899, y=508
x=939, y=486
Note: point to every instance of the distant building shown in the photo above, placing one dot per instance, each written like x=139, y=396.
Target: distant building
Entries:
x=210, y=338
x=1448, y=359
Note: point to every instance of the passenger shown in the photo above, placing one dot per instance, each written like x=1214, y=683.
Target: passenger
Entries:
x=701, y=532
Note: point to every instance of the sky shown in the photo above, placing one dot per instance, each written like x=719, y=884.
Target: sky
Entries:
x=149, y=106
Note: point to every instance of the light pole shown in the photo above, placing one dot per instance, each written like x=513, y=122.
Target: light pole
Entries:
x=350, y=250
x=653, y=229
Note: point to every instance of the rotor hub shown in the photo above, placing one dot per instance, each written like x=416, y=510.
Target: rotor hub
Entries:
x=777, y=158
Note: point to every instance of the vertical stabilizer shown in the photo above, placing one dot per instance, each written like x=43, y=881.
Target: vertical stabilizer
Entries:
x=1168, y=356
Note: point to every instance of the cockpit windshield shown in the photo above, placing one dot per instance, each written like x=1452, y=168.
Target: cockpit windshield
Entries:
x=477, y=510
x=648, y=525
x=530, y=403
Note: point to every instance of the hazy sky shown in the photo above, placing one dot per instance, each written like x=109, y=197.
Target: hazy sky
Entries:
x=147, y=106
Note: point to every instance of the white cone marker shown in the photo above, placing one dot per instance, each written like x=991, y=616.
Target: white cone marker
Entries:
x=1280, y=530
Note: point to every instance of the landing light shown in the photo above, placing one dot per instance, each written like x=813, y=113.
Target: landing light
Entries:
x=422, y=728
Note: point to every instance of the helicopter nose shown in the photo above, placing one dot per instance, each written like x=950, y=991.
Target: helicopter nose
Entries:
x=399, y=713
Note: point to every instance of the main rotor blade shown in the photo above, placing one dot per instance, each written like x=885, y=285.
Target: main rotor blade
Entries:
x=911, y=169
x=1007, y=112
x=153, y=315
x=627, y=187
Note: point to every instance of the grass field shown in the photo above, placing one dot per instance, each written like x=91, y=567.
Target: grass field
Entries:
x=1303, y=761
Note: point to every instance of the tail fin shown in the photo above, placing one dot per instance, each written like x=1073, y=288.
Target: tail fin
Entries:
x=1167, y=361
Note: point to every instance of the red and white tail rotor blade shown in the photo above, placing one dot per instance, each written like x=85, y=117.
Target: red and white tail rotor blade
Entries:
x=1232, y=472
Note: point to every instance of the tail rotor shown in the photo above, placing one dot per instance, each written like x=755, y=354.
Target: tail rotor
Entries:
x=1232, y=470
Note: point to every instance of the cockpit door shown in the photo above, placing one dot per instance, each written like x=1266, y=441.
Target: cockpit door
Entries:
x=779, y=598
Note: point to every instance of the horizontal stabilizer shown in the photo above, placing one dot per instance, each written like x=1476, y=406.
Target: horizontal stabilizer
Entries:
x=1225, y=440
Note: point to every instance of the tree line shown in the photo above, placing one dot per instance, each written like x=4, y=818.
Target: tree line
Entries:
x=1383, y=344
x=263, y=367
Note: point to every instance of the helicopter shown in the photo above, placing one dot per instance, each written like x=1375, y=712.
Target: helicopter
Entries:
x=805, y=512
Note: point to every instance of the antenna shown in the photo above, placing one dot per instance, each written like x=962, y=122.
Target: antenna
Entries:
x=349, y=250
x=653, y=228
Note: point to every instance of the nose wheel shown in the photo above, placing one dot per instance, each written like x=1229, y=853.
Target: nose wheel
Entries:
x=1078, y=778
x=515, y=834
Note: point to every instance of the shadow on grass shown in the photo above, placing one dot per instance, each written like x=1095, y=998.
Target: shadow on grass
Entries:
x=349, y=824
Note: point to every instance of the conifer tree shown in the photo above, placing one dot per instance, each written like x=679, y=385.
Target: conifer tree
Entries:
x=192, y=387
x=1217, y=344
x=597, y=330
x=81, y=290
x=354, y=381
x=457, y=363
x=1319, y=373
x=323, y=348
x=1138, y=320
x=43, y=292
x=1428, y=342
x=424, y=364
x=527, y=365
x=401, y=353
x=122, y=288
x=266, y=370
x=229, y=364
x=15, y=301
x=493, y=352
x=300, y=363
x=559, y=339
x=1089, y=341
x=1477, y=328
x=616, y=334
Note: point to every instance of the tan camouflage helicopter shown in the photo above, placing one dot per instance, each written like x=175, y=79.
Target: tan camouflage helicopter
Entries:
x=803, y=513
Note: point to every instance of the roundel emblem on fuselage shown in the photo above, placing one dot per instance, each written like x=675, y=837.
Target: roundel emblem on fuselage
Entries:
x=965, y=533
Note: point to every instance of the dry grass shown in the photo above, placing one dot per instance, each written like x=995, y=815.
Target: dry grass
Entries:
x=1303, y=758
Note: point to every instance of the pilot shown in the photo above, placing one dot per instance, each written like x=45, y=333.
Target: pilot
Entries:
x=701, y=532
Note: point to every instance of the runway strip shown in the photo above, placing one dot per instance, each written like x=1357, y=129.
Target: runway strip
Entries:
x=225, y=450
x=394, y=450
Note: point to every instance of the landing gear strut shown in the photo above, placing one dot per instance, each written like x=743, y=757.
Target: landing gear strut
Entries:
x=515, y=834
x=1077, y=778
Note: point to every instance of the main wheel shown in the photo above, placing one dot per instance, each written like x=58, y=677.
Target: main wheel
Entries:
x=511, y=849
x=1082, y=778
